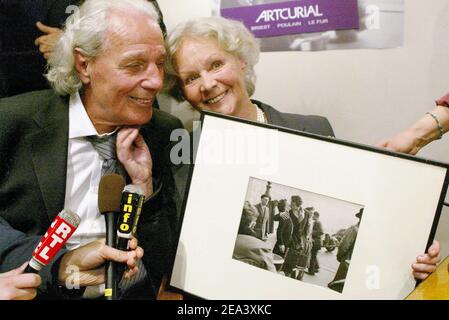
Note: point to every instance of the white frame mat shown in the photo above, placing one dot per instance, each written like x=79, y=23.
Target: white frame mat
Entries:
x=402, y=198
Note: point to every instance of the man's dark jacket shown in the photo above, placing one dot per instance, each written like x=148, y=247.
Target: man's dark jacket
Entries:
x=33, y=164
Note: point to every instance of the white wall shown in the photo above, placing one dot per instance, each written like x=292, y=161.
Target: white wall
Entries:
x=367, y=95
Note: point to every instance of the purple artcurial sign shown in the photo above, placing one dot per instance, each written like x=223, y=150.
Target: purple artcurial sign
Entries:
x=295, y=17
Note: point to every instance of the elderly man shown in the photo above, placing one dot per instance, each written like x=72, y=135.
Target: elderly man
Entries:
x=106, y=71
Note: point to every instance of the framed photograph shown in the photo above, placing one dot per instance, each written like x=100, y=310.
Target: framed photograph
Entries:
x=273, y=213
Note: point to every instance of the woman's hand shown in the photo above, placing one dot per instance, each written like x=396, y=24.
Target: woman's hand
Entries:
x=427, y=263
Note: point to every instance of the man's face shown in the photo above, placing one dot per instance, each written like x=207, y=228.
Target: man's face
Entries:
x=125, y=77
x=265, y=201
x=281, y=206
x=296, y=205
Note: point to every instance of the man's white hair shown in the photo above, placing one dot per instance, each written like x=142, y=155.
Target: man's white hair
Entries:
x=231, y=36
x=86, y=30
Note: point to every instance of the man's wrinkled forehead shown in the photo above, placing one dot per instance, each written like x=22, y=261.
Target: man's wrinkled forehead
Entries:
x=125, y=26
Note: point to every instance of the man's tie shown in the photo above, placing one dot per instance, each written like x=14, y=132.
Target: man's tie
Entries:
x=106, y=148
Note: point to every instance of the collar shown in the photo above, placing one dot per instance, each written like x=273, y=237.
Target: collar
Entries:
x=265, y=111
x=80, y=124
x=260, y=114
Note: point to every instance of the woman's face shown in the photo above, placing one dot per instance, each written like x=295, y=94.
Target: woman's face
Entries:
x=211, y=78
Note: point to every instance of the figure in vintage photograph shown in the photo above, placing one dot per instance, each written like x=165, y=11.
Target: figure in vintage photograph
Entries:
x=248, y=248
x=292, y=246
x=345, y=253
x=284, y=230
x=313, y=235
x=263, y=218
x=317, y=234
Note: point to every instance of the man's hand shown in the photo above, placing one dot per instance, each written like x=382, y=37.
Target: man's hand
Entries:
x=133, y=153
x=427, y=263
x=282, y=248
x=47, y=41
x=16, y=285
x=86, y=263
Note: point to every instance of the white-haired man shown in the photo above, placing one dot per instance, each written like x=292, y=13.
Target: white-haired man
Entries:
x=106, y=71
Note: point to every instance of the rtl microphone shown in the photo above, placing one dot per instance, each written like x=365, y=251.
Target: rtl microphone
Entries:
x=109, y=195
x=130, y=207
x=54, y=239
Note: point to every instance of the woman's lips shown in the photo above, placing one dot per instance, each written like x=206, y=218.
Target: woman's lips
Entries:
x=216, y=99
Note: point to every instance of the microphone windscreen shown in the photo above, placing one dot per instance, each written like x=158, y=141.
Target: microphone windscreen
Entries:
x=70, y=217
x=110, y=193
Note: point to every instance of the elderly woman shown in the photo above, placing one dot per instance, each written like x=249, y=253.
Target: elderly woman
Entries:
x=211, y=65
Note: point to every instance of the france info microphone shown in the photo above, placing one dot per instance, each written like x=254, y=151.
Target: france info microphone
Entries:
x=130, y=207
x=109, y=195
x=54, y=239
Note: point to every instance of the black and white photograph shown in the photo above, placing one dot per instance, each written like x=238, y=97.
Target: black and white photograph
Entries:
x=298, y=234
x=331, y=222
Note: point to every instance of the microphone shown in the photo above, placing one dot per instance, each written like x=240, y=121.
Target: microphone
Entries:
x=109, y=194
x=54, y=239
x=131, y=206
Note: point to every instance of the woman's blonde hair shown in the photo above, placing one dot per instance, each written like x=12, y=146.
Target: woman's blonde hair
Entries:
x=231, y=36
